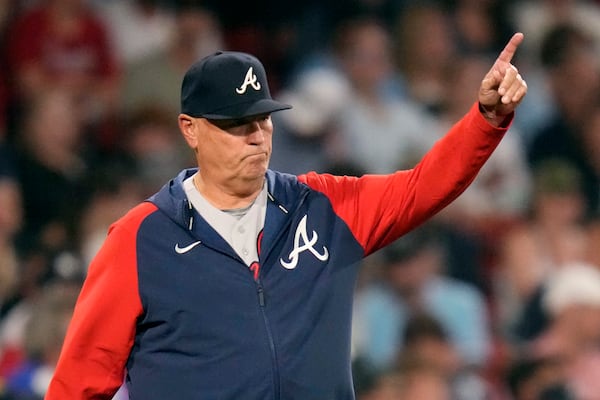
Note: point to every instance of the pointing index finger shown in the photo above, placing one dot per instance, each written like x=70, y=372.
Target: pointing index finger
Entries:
x=510, y=48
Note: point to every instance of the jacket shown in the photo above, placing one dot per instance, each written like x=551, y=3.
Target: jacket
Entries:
x=170, y=302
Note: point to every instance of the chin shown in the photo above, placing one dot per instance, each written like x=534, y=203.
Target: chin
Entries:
x=257, y=166
x=260, y=174
x=254, y=172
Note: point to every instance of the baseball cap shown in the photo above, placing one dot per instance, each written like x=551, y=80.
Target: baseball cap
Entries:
x=572, y=284
x=227, y=85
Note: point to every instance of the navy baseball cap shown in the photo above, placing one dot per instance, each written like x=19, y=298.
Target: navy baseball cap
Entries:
x=227, y=85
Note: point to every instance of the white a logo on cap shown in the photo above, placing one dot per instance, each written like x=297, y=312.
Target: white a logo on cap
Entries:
x=251, y=80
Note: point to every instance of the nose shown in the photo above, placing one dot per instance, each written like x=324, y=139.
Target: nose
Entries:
x=254, y=133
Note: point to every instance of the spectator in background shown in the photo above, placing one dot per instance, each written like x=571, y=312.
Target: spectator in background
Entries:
x=137, y=28
x=364, y=56
x=280, y=33
x=63, y=45
x=540, y=378
x=116, y=190
x=481, y=26
x=552, y=236
x=43, y=332
x=412, y=381
x=572, y=299
x=426, y=342
x=354, y=71
x=51, y=169
x=196, y=33
x=574, y=77
x=308, y=138
x=536, y=18
x=591, y=138
x=11, y=216
x=424, y=45
x=152, y=144
x=414, y=282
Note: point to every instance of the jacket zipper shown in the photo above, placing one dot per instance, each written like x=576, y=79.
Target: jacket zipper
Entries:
x=188, y=212
x=262, y=304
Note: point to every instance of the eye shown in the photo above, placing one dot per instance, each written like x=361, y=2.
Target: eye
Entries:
x=226, y=124
x=229, y=124
x=264, y=119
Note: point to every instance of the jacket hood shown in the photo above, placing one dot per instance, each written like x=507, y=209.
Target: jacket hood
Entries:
x=172, y=200
x=284, y=190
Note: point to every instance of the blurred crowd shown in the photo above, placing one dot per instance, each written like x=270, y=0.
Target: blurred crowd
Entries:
x=498, y=297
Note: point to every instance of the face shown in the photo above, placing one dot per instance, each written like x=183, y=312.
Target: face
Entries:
x=410, y=275
x=54, y=127
x=367, y=60
x=230, y=153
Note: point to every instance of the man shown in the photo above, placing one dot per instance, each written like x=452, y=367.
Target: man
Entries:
x=235, y=281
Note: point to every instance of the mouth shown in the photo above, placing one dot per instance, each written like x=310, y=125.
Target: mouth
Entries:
x=259, y=155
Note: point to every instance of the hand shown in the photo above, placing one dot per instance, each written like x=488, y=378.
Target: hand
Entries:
x=502, y=88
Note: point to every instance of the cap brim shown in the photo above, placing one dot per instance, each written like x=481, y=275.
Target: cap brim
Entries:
x=263, y=106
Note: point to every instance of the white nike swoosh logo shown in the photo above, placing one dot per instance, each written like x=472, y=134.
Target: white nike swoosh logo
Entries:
x=182, y=250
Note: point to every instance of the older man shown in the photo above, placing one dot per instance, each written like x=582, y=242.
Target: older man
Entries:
x=235, y=281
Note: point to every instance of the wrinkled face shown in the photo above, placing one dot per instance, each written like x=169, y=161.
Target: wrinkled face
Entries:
x=230, y=151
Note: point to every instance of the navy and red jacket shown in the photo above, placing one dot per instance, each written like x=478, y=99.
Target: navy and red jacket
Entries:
x=168, y=300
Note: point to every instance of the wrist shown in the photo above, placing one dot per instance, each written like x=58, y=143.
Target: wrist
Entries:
x=488, y=112
x=491, y=115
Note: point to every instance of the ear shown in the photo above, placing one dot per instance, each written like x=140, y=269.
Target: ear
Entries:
x=188, y=130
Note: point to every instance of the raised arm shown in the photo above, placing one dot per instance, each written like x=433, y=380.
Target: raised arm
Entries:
x=380, y=208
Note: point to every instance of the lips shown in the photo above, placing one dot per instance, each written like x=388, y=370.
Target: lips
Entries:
x=256, y=155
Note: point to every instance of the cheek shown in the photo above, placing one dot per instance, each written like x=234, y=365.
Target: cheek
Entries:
x=269, y=142
x=214, y=153
x=222, y=154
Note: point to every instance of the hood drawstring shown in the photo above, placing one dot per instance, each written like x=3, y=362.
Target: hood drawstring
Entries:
x=191, y=223
x=282, y=208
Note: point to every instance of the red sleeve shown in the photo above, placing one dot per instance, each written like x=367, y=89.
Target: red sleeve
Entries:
x=102, y=329
x=380, y=208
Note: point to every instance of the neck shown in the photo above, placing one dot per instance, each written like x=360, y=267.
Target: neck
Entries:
x=227, y=197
